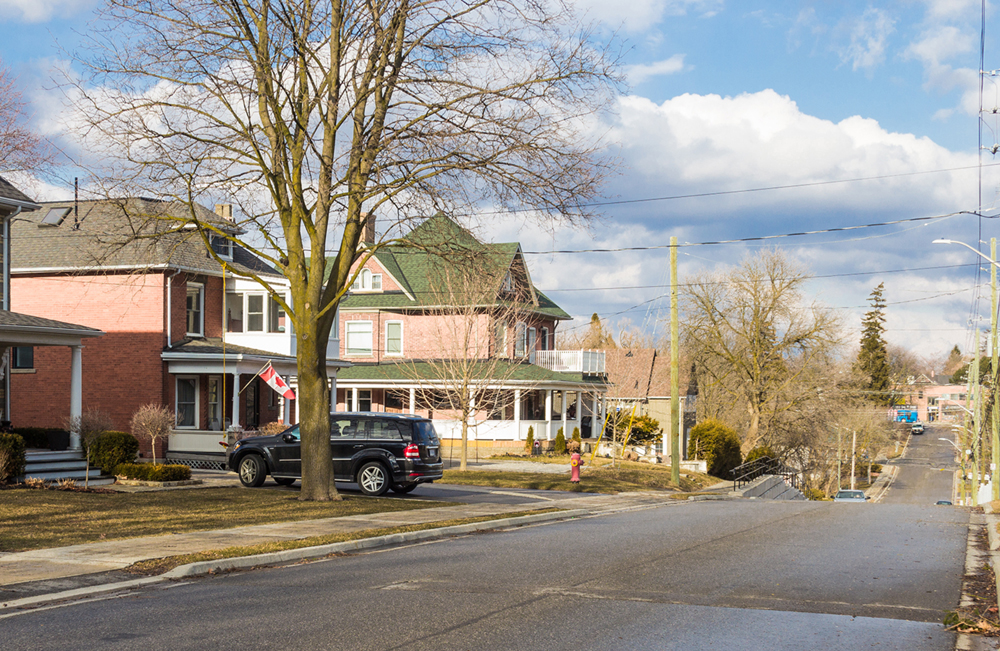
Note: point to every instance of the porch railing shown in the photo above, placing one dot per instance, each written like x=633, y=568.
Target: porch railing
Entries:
x=588, y=362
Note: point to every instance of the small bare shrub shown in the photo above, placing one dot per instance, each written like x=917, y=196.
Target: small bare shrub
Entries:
x=270, y=429
x=90, y=424
x=573, y=447
x=34, y=482
x=152, y=422
x=66, y=484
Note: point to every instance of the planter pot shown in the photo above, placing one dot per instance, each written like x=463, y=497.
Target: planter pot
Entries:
x=58, y=441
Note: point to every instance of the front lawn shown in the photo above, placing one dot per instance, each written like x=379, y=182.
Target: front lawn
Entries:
x=601, y=477
x=35, y=519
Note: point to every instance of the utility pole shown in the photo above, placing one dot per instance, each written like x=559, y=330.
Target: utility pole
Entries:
x=974, y=396
x=854, y=447
x=994, y=413
x=676, y=422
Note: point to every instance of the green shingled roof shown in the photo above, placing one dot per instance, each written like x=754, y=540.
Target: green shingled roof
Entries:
x=506, y=370
x=421, y=265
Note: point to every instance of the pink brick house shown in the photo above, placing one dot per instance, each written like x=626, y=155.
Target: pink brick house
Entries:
x=181, y=330
x=405, y=328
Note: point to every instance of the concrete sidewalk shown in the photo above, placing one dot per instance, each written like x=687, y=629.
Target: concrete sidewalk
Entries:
x=33, y=577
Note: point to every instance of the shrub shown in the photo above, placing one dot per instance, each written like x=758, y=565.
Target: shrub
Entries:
x=717, y=444
x=34, y=437
x=759, y=452
x=529, y=443
x=573, y=446
x=11, y=456
x=813, y=493
x=153, y=472
x=270, y=429
x=576, y=434
x=560, y=444
x=152, y=422
x=110, y=449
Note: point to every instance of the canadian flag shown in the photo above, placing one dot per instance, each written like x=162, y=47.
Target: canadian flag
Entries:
x=274, y=381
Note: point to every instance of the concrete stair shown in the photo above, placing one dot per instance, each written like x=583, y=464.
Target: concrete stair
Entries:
x=770, y=487
x=69, y=464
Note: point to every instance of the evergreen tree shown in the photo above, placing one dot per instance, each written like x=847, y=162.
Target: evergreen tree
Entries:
x=873, y=358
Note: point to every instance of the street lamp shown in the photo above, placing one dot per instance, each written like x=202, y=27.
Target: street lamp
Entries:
x=961, y=458
x=971, y=248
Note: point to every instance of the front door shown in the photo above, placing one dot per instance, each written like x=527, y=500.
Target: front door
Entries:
x=252, y=412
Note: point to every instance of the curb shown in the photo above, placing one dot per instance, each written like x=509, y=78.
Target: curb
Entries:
x=274, y=558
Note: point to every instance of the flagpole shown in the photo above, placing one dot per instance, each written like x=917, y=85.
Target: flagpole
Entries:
x=255, y=376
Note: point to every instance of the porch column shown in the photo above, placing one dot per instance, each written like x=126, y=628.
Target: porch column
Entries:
x=595, y=418
x=236, y=400
x=75, y=394
x=578, y=401
x=565, y=395
x=548, y=413
x=354, y=399
x=517, y=414
x=413, y=400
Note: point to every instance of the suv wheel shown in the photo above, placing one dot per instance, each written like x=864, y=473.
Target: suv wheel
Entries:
x=373, y=479
x=402, y=489
x=253, y=472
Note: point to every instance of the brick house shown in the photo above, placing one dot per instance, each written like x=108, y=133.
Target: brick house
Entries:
x=412, y=325
x=21, y=333
x=181, y=330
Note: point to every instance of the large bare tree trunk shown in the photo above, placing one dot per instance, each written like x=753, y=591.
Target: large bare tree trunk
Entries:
x=314, y=412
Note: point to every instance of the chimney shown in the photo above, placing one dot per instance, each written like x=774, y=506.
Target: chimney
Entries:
x=368, y=228
x=224, y=210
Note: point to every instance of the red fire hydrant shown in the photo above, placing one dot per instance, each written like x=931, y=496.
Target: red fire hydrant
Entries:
x=574, y=465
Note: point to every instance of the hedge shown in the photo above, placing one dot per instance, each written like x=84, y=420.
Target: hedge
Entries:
x=11, y=456
x=111, y=449
x=153, y=472
x=36, y=437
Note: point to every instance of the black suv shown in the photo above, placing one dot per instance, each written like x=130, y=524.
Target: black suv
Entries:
x=378, y=451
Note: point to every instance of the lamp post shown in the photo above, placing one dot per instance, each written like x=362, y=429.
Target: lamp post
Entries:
x=961, y=461
x=995, y=412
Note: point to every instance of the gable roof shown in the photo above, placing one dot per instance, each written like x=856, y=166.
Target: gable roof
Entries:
x=11, y=196
x=630, y=372
x=101, y=235
x=420, y=266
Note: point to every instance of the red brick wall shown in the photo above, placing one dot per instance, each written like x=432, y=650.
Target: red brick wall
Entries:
x=121, y=370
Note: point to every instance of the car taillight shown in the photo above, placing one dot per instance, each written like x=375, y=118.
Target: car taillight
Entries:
x=411, y=451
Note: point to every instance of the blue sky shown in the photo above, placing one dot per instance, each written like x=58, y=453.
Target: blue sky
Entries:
x=730, y=96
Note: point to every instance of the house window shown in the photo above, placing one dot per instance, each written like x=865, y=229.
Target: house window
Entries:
x=215, y=404
x=500, y=338
x=359, y=338
x=364, y=400
x=508, y=283
x=367, y=281
x=255, y=313
x=195, y=308
x=394, y=338
x=22, y=357
x=234, y=312
x=545, y=338
x=520, y=336
x=222, y=246
x=275, y=316
x=531, y=340
x=186, y=406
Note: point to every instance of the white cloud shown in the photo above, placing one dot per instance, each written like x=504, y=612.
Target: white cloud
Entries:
x=40, y=11
x=868, y=35
x=643, y=72
x=638, y=16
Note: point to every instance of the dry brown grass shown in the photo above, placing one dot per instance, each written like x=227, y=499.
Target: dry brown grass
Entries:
x=35, y=519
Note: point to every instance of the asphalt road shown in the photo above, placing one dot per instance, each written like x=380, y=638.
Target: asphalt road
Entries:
x=688, y=575
x=927, y=470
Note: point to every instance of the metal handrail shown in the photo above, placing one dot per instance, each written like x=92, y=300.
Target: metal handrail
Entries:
x=748, y=472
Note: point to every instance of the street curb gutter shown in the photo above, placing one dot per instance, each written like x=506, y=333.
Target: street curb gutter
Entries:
x=964, y=641
x=275, y=558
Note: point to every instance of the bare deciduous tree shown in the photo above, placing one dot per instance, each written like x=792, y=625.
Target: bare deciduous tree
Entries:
x=152, y=423
x=762, y=355
x=21, y=149
x=309, y=116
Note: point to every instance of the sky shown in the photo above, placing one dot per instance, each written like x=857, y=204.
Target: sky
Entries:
x=783, y=118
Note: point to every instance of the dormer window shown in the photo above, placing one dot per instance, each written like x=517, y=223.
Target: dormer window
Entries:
x=222, y=246
x=367, y=282
x=508, y=283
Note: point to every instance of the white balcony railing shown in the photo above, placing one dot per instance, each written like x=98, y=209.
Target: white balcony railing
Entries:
x=588, y=362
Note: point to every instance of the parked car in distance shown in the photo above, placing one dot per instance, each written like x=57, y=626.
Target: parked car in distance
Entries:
x=917, y=428
x=850, y=496
x=378, y=451
x=944, y=503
